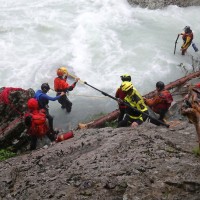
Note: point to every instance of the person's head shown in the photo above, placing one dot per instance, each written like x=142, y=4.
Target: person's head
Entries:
x=187, y=29
x=45, y=87
x=32, y=104
x=62, y=71
x=127, y=87
x=160, y=85
x=125, y=77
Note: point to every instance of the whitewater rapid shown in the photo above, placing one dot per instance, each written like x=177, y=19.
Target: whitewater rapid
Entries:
x=98, y=40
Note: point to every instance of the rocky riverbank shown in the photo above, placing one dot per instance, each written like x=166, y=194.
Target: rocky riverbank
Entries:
x=157, y=4
x=148, y=162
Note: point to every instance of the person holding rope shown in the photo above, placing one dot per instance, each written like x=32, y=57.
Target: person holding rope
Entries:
x=133, y=98
x=43, y=100
x=61, y=85
x=160, y=103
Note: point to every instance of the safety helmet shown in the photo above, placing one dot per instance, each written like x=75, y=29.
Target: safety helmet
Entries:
x=61, y=71
x=160, y=85
x=32, y=104
x=45, y=87
x=126, y=77
x=64, y=69
x=187, y=29
x=126, y=86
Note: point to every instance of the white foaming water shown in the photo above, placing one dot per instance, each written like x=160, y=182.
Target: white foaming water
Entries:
x=99, y=39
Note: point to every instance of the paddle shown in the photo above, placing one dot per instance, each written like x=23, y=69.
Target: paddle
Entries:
x=175, y=44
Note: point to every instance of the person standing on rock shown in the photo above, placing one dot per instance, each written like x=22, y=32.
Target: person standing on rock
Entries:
x=160, y=103
x=121, y=95
x=35, y=121
x=187, y=37
x=61, y=85
x=43, y=100
x=133, y=116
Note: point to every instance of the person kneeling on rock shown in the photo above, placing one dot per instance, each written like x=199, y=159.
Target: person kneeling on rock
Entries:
x=36, y=123
x=161, y=103
x=133, y=114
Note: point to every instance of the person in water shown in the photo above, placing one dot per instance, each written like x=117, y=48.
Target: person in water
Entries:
x=43, y=100
x=61, y=85
x=187, y=37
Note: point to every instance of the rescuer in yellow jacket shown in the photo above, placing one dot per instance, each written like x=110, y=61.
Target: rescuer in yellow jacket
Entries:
x=132, y=117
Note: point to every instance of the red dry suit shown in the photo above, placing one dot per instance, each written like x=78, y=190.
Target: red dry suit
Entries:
x=162, y=101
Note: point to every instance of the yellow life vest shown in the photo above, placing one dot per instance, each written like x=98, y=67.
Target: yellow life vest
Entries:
x=136, y=101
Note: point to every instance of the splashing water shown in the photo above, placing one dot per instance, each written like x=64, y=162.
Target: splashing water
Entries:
x=98, y=40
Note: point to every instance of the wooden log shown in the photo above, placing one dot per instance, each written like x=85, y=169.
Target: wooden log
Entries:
x=114, y=115
x=177, y=83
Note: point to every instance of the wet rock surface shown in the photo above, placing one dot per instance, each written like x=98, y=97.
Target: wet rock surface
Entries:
x=157, y=4
x=148, y=162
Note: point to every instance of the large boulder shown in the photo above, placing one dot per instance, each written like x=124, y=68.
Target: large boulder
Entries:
x=12, y=108
x=156, y=4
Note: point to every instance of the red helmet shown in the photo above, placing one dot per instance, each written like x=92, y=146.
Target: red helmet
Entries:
x=32, y=104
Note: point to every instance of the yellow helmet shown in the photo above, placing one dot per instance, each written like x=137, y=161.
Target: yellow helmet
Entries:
x=64, y=69
x=61, y=71
x=126, y=86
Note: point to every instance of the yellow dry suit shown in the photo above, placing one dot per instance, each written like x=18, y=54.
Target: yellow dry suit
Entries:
x=136, y=101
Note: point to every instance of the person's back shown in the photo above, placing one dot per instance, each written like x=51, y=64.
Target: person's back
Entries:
x=36, y=123
x=161, y=102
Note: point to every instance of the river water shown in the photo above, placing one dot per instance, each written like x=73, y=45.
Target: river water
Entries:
x=98, y=40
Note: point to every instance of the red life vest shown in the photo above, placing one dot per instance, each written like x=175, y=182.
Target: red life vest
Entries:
x=121, y=95
x=166, y=100
x=60, y=84
x=38, y=125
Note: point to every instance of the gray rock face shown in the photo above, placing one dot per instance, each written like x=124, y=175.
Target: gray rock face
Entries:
x=156, y=4
x=148, y=162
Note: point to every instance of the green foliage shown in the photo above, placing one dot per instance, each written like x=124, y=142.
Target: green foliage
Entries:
x=5, y=154
x=112, y=124
x=196, y=151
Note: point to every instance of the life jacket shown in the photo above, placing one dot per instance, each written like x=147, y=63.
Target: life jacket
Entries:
x=37, y=124
x=160, y=102
x=121, y=95
x=136, y=101
x=42, y=103
x=60, y=84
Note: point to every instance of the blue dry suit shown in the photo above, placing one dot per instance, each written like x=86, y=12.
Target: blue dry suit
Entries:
x=43, y=100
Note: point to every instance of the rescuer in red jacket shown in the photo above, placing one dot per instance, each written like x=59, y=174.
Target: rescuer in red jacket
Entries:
x=61, y=85
x=161, y=102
